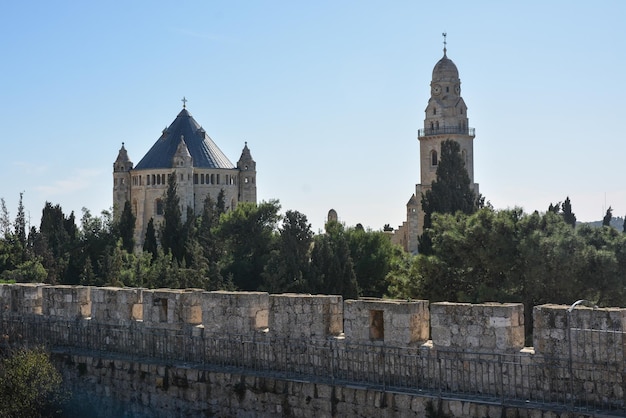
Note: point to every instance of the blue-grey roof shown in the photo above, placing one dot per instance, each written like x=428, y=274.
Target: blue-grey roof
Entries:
x=204, y=152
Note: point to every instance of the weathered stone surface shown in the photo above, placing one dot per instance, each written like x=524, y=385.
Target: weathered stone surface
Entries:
x=394, y=322
x=487, y=327
x=305, y=316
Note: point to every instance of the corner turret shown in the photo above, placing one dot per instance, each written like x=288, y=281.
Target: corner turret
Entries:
x=247, y=176
x=121, y=181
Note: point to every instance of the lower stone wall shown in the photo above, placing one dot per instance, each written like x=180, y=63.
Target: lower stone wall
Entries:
x=106, y=387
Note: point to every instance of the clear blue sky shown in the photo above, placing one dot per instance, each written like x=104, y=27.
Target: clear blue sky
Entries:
x=328, y=94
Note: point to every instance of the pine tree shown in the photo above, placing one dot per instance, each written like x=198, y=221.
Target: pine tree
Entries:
x=568, y=215
x=450, y=192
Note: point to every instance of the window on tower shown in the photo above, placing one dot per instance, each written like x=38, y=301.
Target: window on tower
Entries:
x=433, y=158
x=159, y=207
x=434, y=110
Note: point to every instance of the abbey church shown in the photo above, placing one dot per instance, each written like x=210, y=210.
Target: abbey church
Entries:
x=446, y=118
x=201, y=168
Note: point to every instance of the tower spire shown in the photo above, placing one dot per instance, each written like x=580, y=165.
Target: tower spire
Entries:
x=444, y=42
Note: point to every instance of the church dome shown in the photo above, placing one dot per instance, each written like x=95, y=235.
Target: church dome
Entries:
x=445, y=70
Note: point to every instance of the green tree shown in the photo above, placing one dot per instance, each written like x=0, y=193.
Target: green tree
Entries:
x=247, y=234
x=56, y=240
x=332, y=270
x=449, y=193
x=30, y=386
x=150, y=242
x=568, y=215
x=5, y=221
x=126, y=228
x=172, y=236
x=372, y=255
x=20, y=229
x=288, y=264
x=606, y=221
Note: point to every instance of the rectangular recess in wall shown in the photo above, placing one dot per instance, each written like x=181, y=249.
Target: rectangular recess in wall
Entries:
x=377, y=325
x=161, y=303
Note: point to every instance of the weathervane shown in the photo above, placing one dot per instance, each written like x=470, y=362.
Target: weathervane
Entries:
x=184, y=102
x=444, y=42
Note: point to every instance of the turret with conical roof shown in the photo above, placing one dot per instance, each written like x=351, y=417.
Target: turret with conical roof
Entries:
x=121, y=180
x=247, y=176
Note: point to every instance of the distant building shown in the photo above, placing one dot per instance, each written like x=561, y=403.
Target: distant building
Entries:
x=446, y=118
x=201, y=168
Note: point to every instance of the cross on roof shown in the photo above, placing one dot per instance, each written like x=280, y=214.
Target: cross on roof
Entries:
x=184, y=100
x=445, y=34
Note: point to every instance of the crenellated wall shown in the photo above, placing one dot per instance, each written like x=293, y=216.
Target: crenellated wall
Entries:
x=484, y=328
x=459, y=348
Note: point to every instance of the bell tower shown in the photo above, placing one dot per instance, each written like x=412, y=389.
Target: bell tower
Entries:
x=445, y=118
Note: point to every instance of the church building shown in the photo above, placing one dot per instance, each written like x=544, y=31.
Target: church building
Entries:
x=185, y=150
x=446, y=118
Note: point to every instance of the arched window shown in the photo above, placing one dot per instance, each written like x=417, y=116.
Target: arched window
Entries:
x=135, y=207
x=212, y=178
x=437, y=125
x=464, y=156
x=434, y=110
x=433, y=158
x=159, y=206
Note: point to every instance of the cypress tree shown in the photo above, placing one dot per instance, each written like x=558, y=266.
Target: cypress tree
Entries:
x=450, y=192
x=172, y=236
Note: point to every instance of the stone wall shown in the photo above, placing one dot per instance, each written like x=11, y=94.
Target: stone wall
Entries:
x=241, y=313
x=474, y=348
x=596, y=334
x=488, y=327
x=305, y=316
x=393, y=322
x=103, y=387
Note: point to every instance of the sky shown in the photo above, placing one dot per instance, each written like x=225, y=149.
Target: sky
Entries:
x=329, y=96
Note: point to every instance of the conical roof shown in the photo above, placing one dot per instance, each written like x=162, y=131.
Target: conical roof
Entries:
x=204, y=152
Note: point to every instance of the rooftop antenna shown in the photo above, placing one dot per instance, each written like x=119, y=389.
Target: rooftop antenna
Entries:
x=444, y=42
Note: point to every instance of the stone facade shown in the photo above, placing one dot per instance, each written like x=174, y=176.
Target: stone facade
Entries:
x=186, y=151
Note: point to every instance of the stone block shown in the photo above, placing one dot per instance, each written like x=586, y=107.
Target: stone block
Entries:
x=488, y=327
x=394, y=322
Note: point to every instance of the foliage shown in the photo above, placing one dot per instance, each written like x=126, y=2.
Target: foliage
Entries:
x=332, y=269
x=449, y=193
x=247, y=233
x=172, y=238
x=126, y=227
x=372, y=255
x=568, y=215
x=606, y=221
x=30, y=386
x=150, y=244
x=287, y=269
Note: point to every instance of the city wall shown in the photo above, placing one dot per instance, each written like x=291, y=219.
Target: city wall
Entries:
x=380, y=346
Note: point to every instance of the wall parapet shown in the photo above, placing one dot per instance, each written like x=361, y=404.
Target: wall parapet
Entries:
x=475, y=348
